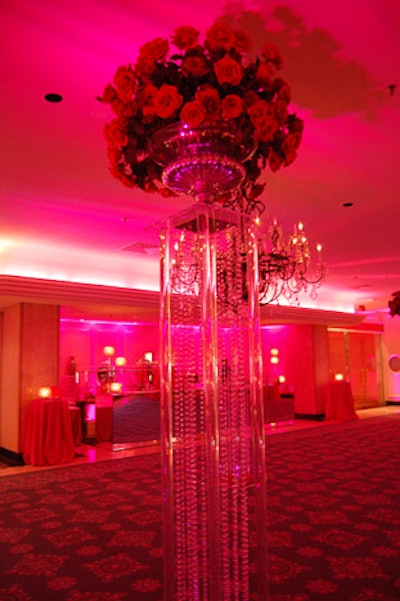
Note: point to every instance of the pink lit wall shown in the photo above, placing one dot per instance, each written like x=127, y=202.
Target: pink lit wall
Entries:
x=86, y=339
x=303, y=360
x=301, y=352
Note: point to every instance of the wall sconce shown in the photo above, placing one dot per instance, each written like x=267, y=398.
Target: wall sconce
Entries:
x=120, y=361
x=45, y=392
x=274, y=360
x=339, y=377
x=281, y=379
x=148, y=357
x=274, y=352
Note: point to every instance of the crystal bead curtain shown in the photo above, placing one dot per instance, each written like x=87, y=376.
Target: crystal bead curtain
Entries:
x=212, y=432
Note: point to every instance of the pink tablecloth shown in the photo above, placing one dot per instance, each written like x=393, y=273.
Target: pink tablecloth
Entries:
x=48, y=437
x=340, y=401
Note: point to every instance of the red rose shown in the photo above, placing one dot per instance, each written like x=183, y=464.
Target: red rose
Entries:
x=195, y=66
x=145, y=99
x=267, y=129
x=291, y=142
x=118, y=172
x=156, y=50
x=283, y=91
x=124, y=109
x=272, y=53
x=114, y=155
x=125, y=83
x=210, y=100
x=250, y=98
x=242, y=42
x=219, y=37
x=167, y=101
x=193, y=113
x=228, y=71
x=109, y=94
x=144, y=68
x=259, y=112
x=265, y=73
x=280, y=110
x=185, y=38
x=231, y=106
x=296, y=125
x=115, y=133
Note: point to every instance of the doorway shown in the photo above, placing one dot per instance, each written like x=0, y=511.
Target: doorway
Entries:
x=357, y=355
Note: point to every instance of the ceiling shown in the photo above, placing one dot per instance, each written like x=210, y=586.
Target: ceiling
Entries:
x=62, y=215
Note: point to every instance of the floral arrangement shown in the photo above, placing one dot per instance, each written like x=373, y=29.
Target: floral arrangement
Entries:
x=394, y=304
x=200, y=85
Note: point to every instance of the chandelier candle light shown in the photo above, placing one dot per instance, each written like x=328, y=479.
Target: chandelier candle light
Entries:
x=205, y=121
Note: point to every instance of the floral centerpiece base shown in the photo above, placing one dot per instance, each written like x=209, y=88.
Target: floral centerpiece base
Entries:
x=205, y=162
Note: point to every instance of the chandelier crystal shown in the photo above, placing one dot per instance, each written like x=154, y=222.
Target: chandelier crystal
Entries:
x=285, y=266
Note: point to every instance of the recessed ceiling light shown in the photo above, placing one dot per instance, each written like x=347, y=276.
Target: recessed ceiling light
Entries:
x=347, y=204
x=53, y=97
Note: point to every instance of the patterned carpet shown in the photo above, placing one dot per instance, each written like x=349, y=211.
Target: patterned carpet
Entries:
x=93, y=532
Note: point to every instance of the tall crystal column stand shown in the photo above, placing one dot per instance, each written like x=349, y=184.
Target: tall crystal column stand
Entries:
x=213, y=445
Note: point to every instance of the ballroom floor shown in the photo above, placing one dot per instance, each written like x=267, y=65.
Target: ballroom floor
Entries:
x=104, y=451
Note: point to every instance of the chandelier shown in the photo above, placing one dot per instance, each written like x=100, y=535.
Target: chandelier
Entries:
x=285, y=266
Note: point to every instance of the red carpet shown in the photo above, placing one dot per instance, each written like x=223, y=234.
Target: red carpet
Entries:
x=92, y=532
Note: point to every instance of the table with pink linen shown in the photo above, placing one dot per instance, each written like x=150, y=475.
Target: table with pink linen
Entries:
x=48, y=438
x=340, y=401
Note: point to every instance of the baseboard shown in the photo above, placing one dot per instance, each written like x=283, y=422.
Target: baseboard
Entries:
x=11, y=457
x=319, y=417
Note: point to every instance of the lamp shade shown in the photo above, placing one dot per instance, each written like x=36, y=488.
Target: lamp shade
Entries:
x=109, y=351
x=44, y=392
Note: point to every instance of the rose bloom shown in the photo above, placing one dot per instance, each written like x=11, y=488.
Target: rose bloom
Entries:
x=193, y=113
x=267, y=129
x=231, y=106
x=290, y=156
x=250, y=97
x=265, y=72
x=219, y=37
x=259, y=112
x=284, y=92
x=156, y=50
x=115, y=133
x=109, y=94
x=145, y=99
x=118, y=172
x=228, y=70
x=124, y=81
x=242, y=42
x=144, y=68
x=114, y=155
x=292, y=142
x=124, y=109
x=185, y=38
x=280, y=110
x=272, y=53
x=210, y=100
x=297, y=125
x=167, y=101
x=194, y=66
